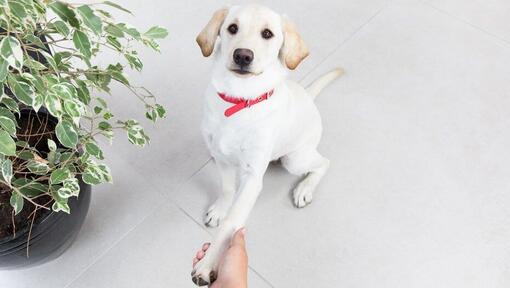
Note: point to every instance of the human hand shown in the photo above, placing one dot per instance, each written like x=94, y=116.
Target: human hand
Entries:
x=233, y=267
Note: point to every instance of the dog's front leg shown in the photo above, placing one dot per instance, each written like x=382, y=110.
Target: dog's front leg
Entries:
x=217, y=211
x=249, y=190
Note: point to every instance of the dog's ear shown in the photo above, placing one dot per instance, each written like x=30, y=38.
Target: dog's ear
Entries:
x=207, y=37
x=294, y=49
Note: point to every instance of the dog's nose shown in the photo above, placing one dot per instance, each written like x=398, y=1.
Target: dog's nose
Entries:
x=243, y=57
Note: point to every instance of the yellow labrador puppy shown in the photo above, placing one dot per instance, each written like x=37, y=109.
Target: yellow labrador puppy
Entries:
x=254, y=115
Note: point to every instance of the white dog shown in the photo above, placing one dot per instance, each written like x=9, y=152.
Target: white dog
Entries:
x=253, y=115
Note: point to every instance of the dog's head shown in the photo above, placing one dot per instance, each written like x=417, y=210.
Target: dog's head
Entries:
x=253, y=38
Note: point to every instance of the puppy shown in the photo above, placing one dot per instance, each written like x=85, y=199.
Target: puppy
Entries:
x=253, y=115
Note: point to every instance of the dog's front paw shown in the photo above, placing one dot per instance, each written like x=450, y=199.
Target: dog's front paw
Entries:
x=204, y=272
x=215, y=214
x=303, y=194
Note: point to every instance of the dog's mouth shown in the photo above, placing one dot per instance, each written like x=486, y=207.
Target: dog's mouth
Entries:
x=243, y=73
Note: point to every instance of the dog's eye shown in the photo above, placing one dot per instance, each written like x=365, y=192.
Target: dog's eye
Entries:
x=267, y=34
x=232, y=29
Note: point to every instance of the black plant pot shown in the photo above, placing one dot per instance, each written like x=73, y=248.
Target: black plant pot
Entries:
x=52, y=234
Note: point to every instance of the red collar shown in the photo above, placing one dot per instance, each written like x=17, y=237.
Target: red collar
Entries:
x=241, y=103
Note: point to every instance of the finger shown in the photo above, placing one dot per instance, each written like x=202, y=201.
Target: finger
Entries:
x=205, y=246
x=238, y=238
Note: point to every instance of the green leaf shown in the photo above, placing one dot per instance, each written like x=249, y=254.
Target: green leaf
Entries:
x=114, y=42
x=38, y=102
x=100, y=81
x=161, y=111
x=114, y=5
x=66, y=134
x=102, y=102
x=60, y=206
x=73, y=109
x=90, y=176
x=105, y=173
x=30, y=188
x=4, y=65
x=83, y=92
x=134, y=62
x=65, y=192
x=17, y=9
x=131, y=31
x=33, y=40
x=94, y=150
x=115, y=31
x=107, y=115
x=24, y=92
x=59, y=175
x=8, y=125
x=82, y=43
x=10, y=103
x=16, y=202
x=25, y=155
x=65, y=13
x=7, y=171
x=52, y=103
x=7, y=113
x=61, y=27
x=96, y=174
x=90, y=19
x=135, y=132
x=105, y=126
x=151, y=43
x=73, y=185
x=156, y=32
x=52, y=145
x=64, y=90
x=119, y=76
x=37, y=167
x=7, y=145
x=34, y=65
x=10, y=51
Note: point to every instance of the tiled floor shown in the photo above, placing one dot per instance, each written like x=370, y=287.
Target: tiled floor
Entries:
x=418, y=194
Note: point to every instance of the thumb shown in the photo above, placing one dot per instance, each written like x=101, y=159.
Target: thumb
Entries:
x=238, y=238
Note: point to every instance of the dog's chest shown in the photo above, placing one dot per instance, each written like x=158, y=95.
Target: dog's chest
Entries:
x=231, y=141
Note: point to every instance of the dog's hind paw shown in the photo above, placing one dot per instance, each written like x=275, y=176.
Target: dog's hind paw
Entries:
x=303, y=194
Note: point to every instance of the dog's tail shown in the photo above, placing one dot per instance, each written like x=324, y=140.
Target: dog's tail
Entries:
x=316, y=87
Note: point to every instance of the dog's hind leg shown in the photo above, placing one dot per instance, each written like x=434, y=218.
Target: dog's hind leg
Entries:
x=311, y=164
x=219, y=209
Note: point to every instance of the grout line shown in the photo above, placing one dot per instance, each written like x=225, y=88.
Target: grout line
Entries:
x=99, y=257
x=351, y=35
x=197, y=171
x=504, y=41
x=260, y=276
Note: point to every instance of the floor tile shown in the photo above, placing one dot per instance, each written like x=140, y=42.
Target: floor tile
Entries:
x=416, y=195
x=115, y=210
x=156, y=254
x=488, y=15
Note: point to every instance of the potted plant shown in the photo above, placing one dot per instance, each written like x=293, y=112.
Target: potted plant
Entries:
x=52, y=109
